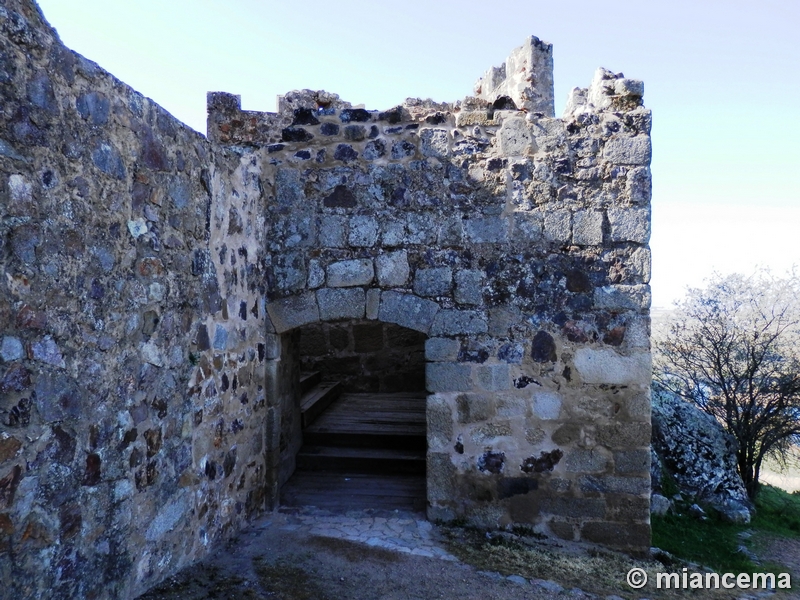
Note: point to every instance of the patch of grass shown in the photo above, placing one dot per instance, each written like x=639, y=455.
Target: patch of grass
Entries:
x=668, y=485
x=599, y=572
x=777, y=511
x=712, y=543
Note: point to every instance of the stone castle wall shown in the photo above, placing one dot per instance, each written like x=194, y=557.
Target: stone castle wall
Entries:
x=516, y=243
x=132, y=401
x=155, y=283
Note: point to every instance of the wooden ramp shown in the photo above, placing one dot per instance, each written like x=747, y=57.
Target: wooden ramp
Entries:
x=364, y=451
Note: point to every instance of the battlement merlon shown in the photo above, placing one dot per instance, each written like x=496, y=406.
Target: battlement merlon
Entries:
x=526, y=77
x=524, y=83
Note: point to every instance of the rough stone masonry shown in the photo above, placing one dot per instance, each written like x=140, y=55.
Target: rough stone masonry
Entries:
x=151, y=279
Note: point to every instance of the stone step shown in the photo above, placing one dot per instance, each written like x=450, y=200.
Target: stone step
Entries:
x=361, y=460
x=341, y=492
x=377, y=440
x=314, y=402
x=371, y=420
x=308, y=381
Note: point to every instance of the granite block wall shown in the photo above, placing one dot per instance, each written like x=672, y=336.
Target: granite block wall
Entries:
x=132, y=400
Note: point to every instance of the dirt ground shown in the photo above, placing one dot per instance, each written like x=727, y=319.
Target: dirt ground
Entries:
x=271, y=562
x=277, y=559
x=782, y=551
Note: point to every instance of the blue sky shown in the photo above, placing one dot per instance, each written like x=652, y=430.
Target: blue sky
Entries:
x=722, y=79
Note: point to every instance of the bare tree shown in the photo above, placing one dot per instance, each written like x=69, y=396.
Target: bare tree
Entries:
x=733, y=348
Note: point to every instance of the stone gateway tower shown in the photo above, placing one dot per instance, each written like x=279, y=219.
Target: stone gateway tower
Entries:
x=154, y=282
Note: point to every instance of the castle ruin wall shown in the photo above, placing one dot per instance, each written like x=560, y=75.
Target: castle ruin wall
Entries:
x=154, y=283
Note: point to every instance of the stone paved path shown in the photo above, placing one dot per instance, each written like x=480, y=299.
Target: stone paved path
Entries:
x=403, y=532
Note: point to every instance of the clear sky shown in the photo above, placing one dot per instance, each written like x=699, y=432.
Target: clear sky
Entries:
x=722, y=79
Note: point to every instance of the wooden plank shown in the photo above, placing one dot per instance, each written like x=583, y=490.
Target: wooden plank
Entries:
x=366, y=460
x=309, y=379
x=354, y=491
x=314, y=403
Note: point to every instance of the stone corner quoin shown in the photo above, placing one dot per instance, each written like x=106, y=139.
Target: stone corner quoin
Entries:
x=153, y=278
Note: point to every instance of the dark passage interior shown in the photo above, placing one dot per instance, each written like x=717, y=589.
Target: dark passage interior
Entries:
x=362, y=412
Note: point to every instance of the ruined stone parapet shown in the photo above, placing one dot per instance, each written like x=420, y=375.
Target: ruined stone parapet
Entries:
x=608, y=92
x=526, y=78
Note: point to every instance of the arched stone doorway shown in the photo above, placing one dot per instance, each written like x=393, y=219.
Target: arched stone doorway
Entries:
x=348, y=420
x=361, y=438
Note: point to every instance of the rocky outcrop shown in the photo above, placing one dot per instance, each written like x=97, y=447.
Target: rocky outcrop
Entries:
x=699, y=455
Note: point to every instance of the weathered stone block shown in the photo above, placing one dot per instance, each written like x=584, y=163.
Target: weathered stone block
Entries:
x=363, y=231
x=439, y=416
x=393, y=234
x=639, y=185
x=614, y=484
x=629, y=87
x=629, y=224
x=516, y=138
x=632, y=461
x=448, y=377
x=501, y=319
x=316, y=274
x=392, y=269
x=606, y=366
x=528, y=227
x=626, y=508
x=473, y=408
x=469, y=289
x=168, y=517
x=473, y=117
x=407, y=310
x=624, y=435
x=627, y=150
x=493, y=378
x=623, y=297
x=457, y=322
x=441, y=349
x=577, y=508
x=563, y=530
x=632, y=536
x=441, y=477
x=435, y=142
x=451, y=231
x=557, y=226
x=487, y=230
x=341, y=303
x=582, y=460
x=373, y=303
x=294, y=311
x=272, y=347
x=433, y=282
x=332, y=231
x=349, y=273
x=587, y=228
x=546, y=405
